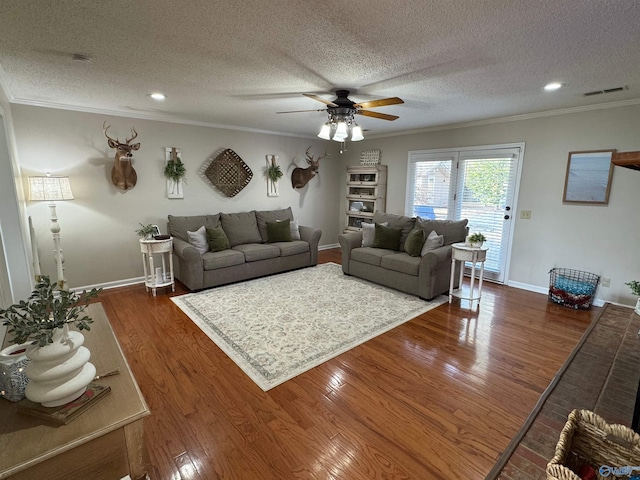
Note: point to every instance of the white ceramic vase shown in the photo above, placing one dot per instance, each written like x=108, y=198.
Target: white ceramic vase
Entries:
x=638, y=306
x=60, y=371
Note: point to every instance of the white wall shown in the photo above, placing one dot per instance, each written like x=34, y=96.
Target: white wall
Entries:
x=97, y=228
x=15, y=274
x=598, y=239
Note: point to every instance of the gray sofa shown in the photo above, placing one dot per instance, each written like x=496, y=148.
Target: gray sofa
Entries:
x=249, y=255
x=424, y=275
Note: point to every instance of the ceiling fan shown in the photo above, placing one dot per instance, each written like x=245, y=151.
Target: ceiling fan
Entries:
x=342, y=105
x=341, y=112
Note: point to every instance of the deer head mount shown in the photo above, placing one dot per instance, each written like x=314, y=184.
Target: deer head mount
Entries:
x=123, y=174
x=301, y=176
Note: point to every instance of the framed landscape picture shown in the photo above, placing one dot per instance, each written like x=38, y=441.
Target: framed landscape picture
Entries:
x=588, y=178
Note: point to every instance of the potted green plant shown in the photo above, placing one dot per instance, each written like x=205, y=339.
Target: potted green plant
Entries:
x=634, y=285
x=47, y=309
x=175, y=170
x=146, y=231
x=476, y=239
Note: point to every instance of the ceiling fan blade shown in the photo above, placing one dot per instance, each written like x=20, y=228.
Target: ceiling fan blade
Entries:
x=381, y=116
x=379, y=103
x=320, y=99
x=299, y=111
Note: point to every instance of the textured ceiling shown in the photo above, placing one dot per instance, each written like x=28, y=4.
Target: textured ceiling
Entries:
x=237, y=63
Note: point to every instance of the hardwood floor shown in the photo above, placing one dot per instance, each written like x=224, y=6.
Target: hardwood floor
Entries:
x=439, y=397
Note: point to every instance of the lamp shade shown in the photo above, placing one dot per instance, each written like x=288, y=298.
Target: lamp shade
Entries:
x=356, y=134
x=49, y=189
x=325, y=131
x=341, y=132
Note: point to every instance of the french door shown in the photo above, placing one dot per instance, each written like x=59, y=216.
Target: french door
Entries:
x=479, y=184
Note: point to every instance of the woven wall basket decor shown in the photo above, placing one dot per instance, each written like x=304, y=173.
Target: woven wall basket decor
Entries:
x=228, y=173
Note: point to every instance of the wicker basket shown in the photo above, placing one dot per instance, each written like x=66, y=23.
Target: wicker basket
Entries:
x=572, y=288
x=587, y=439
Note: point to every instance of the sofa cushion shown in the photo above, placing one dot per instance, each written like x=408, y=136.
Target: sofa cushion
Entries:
x=198, y=239
x=405, y=223
x=387, y=237
x=217, y=239
x=452, y=230
x=241, y=228
x=262, y=217
x=179, y=225
x=257, y=251
x=279, y=231
x=401, y=262
x=432, y=242
x=221, y=259
x=414, y=243
x=292, y=248
x=370, y=255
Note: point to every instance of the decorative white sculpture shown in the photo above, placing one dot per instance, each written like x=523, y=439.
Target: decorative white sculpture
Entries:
x=60, y=371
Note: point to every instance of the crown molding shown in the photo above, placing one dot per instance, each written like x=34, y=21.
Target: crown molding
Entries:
x=514, y=118
x=147, y=116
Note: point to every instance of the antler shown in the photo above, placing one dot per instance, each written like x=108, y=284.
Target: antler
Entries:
x=310, y=157
x=105, y=132
x=135, y=134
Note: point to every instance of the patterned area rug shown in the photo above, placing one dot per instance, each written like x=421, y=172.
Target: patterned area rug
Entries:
x=280, y=326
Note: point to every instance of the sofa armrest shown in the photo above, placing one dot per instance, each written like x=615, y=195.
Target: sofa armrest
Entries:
x=312, y=236
x=189, y=265
x=348, y=241
x=435, y=271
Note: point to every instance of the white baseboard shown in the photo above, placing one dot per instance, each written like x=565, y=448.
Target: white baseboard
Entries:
x=115, y=284
x=598, y=302
x=137, y=280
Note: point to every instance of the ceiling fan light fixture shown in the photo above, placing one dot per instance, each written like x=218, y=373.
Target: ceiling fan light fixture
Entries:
x=325, y=131
x=341, y=132
x=356, y=134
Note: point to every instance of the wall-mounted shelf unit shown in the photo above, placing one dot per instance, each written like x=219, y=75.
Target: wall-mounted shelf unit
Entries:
x=366, y=193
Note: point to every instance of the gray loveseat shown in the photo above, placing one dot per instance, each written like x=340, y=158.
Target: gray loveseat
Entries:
x=249, y=253
x=424, y=275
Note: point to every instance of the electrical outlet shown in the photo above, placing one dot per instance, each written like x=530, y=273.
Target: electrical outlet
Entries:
x=525, y=214
x=605, y=282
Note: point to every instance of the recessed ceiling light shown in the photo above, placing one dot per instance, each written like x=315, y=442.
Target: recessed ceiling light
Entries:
x=550, y=87
x=158, y=96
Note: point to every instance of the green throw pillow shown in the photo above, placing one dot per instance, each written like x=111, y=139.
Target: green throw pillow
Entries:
x=387, y=237
x=217, y=239
x=279, y=231
x=414, y=242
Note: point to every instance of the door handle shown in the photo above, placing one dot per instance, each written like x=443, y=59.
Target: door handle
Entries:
x=506, y=217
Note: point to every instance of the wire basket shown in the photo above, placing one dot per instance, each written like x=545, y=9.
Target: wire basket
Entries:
x=587, y=441
x=572, y=288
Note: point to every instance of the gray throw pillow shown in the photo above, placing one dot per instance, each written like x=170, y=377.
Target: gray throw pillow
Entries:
x=217, y=239
x=199, y=240
x=432, y=242
x=368, y=232
x=387, y=237
x=414, y=242
x=279, y=231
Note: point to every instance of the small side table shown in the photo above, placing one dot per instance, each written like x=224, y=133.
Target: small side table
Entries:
x=157, y=277
x=464, y=253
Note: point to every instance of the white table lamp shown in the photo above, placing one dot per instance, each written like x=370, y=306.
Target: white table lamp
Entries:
x=52, y=189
